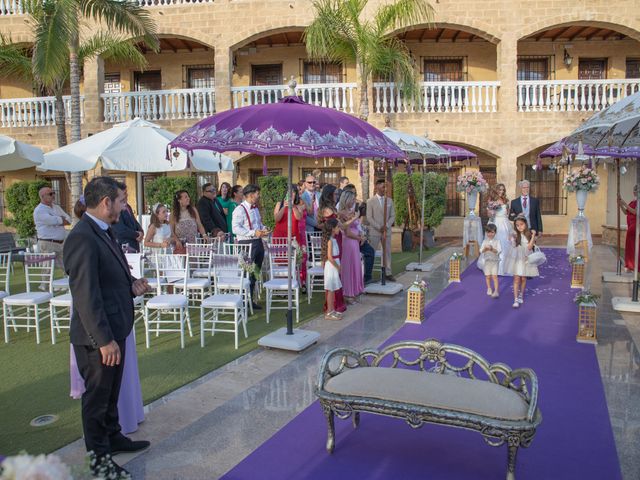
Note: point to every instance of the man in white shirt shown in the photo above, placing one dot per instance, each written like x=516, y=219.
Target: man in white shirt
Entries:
x=311, y=198
x=50, y=221
x=248, y=228
x=376, y=221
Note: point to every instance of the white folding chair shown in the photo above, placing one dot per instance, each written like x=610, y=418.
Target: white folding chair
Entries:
x=60, y=310
x=224, y=266
x=171, y=270
x=281, y=244
x=233, y=283
x=315, y=272
x=198, y=258
x=5, y=275
x=30, y=305
x=136, y=265
x=277, y=288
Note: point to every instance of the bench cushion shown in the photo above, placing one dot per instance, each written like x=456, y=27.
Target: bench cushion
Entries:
x=447, y=392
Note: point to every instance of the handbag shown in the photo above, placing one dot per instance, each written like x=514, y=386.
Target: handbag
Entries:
x=537, y=257
x=480, y=262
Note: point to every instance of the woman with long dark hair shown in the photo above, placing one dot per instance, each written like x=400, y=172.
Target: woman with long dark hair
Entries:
x=224, y=196
x=298, y=228
x=185, y=221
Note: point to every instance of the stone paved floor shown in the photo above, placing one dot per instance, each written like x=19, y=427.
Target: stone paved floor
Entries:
x=207, y=427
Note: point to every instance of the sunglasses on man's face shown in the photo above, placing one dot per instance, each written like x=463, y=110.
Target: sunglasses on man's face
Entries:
x=312, y=183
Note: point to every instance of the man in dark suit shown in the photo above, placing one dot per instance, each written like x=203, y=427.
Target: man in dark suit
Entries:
x=527, y=206
x=102, y=289
x=211, y=212
x=127, y=229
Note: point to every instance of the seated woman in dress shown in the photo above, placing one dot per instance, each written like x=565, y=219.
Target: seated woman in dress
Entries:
x=130, y=407
x=159, y=236
x=630, y=210
x=280, y=216
x=185, y=221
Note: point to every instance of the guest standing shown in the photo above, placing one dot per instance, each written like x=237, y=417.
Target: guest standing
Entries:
x=311, y=198
x=185, y=221
x=130, y=406
x=159, y=236
x=212, y=214
x=127, y=229
x=527, y=206
x=376, y=221
x=351, y=267
x=50, y=221
x=102, y=289
x=280, y=216
x=224, y=197
x=366, y=250
x=342, y=182
x=236, y=199
x=630, y=211
x=249, y=229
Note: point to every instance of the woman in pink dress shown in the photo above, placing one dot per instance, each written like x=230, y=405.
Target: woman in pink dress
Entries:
x=298, y=229
x=351, y=266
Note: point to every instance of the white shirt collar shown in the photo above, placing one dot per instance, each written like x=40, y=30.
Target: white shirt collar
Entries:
x=247, y=205
x=103, y=225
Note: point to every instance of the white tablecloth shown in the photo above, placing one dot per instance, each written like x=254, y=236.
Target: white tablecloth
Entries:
x=472, y=230
x=578, y=232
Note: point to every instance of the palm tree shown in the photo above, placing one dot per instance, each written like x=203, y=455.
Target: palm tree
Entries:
x=57, y=47
x=340, y=33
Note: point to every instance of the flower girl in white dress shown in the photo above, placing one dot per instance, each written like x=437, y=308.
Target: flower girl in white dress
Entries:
x=517, y=264
x=331, y=262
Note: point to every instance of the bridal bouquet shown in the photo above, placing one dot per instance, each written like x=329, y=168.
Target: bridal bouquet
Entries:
x=493, y=206
x=471, y=182
x=582, y=178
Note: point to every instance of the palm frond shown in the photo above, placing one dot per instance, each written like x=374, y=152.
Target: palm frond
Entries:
x=126, y=17
x=112, y=47
x=15, y=60
x=403, y=13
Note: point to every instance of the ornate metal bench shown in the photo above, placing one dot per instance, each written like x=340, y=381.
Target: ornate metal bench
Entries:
x=442, y=386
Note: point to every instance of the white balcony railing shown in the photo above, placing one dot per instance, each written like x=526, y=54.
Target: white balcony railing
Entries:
x=159, y=104
x=572, y=95
x=34, y=111
x=340, y=96
x=161, y=3
x=454, y=97
x=11, y=7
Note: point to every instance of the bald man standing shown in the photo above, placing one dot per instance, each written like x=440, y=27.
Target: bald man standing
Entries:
x=50, y=221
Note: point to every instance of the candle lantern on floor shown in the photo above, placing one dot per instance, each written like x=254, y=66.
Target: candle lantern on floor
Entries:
x=415, y=301
x=454, y=267
x=587, y=320
x=577, y=271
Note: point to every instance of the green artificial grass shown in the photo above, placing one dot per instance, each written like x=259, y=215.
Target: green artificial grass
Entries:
x=35, y=378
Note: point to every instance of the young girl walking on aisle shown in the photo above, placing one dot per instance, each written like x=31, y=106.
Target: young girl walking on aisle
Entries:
x=331, y=265
x=517, y=263
x=490, y=251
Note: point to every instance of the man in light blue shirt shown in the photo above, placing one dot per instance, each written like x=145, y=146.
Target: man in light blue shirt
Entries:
x=311, y=197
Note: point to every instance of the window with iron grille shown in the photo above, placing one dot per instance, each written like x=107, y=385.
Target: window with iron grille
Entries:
x=147, y=81
x=444, y=69
x=455, y=201
x=202, y=178
x=255, y=173
x=198, y=76
x=266, y=74
x=326, y=176
x=535, y=67
x=633, y=68
x=322, y=72
x=112, y=83
x=546, y=186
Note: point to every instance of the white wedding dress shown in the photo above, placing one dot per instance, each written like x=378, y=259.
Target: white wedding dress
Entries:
x=503, y=235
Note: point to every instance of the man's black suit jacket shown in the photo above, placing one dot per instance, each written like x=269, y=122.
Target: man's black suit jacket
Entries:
x=211, y=215
x=534, y=212
x=100, y=284
x=127, y=229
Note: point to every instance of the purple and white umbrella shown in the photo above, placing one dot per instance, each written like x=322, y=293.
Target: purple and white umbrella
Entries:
x=290, y=127
x=458, y=153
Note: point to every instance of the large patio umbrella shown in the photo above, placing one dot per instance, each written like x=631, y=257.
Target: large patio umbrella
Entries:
x=418, y=149
x=615, y=131
x=458, y=153
x=134, y=146
x=292, y=128
x=15, y=155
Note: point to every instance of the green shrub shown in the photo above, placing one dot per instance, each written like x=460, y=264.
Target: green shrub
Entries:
x=435, y=196
x=272, y=190
x=163, y=189
x=22, y=199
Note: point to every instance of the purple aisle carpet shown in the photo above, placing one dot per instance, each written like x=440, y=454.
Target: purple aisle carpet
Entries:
x=574, y=441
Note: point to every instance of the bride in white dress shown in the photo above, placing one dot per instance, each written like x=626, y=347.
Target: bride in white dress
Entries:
x=500, y=218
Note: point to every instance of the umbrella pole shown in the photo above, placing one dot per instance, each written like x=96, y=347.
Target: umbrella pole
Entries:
x=383, y=269
x=634, y=297
x=139, y=200
x=290, y=250
x=424, y=168
x=618, y=262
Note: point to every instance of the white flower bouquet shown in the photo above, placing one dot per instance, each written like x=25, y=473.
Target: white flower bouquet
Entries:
x=42, y=467
x=581, y=178
x=472, y=181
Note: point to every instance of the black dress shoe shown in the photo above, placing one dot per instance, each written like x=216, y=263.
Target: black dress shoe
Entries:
x=122, y=444
x=104, y=467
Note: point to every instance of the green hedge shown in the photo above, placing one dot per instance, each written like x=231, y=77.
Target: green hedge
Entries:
x=435, y=196
x=163, y=189
x=22, y=199
x=272, y=190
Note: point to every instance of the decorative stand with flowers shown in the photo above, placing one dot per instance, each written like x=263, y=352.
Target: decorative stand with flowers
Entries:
x=454, y=267
x=587, y=323
x=578, y=263
x=581, y=180
x=415, y=301
x=472, y=183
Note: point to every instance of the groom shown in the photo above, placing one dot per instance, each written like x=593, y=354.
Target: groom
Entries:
x=527, y=206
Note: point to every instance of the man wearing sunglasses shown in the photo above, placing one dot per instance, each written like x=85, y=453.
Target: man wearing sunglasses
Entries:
x=311, y=197
x=50, y=221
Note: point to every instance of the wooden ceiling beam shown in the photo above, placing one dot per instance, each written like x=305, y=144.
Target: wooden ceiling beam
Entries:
x=185, y=44
x=440, y=34
x=472, y=37
x=611, y=34
x=286, y=38
x=539, y=36
x=578, y=33
x=560, y=33
x=424, y=32
x=455, y=36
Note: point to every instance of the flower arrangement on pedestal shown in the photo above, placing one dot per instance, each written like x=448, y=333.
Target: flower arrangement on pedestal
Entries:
x=472, y=181
x=581, y=179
